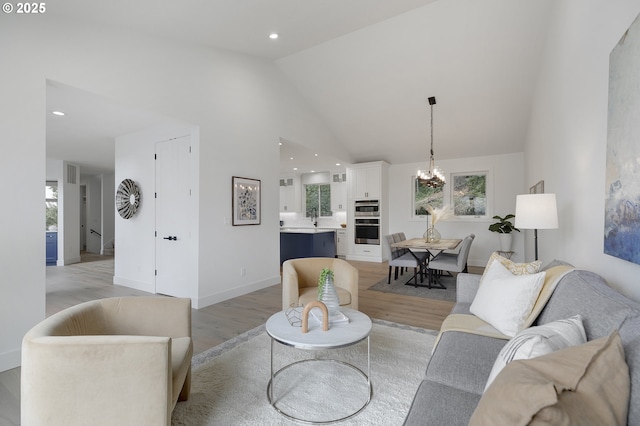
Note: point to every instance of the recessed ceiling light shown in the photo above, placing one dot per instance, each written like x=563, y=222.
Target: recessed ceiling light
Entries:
x=273, y=36
x=313, y=171
x=295, y=168
x=337, y=164
x=58, y=113
x=315, y=155
x=290, y=158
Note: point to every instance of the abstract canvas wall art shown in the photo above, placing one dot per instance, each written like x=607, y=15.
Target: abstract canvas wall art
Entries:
x=622, y=199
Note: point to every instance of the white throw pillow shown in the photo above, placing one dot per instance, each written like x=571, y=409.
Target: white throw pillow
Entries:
x=505, y=300
x=540, y=340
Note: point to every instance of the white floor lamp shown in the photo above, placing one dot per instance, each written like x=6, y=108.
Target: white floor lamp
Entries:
x=536, y=211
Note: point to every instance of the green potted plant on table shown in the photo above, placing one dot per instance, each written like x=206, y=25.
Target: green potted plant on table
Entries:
x=327, y=293
x=504, y=227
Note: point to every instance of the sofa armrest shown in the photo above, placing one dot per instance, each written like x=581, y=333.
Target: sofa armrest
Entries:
x=148, y=316
x=467, y=287
x=97, y=380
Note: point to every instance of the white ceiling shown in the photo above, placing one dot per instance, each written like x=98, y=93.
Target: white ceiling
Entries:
x=240, y=25
x=366, y=66
x=85, y=134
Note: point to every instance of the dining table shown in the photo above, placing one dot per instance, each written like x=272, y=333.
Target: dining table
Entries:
x=434, y=249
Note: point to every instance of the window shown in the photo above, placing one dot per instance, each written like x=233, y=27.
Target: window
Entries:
x=318, y=200
x=469, y=194
x=51, y=204
x=423, y=195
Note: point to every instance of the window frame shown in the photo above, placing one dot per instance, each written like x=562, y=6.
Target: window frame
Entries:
x=488, y=195
x=320, y=213
x=420, y=218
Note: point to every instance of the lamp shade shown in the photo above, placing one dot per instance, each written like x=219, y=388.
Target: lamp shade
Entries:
x=536, y=211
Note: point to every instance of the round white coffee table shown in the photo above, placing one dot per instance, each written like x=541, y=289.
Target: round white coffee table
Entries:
x=339, y=335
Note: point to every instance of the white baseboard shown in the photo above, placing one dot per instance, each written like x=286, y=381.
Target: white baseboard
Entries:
x=203, y=302
x=69, y=261
x=137, y=285
x=10, y=360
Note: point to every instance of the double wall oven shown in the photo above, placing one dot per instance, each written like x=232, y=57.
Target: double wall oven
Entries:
x=367, y=222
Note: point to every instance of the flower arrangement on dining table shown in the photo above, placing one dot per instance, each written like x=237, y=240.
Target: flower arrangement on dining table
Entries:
x=440, y=214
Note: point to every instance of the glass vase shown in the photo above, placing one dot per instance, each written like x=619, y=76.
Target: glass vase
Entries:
x=431, y=235
x=329, y=296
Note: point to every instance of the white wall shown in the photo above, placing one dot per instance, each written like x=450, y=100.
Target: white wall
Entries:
x=69, y=215
x=504, y=181
x=566, y=144
x=135, y=260
x=242, y=105
x=22, y=128
x=94, y=213
x=108, y=191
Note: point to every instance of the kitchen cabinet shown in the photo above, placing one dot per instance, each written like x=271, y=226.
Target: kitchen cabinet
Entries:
x=289, y=194
x=338, y=192
x=341, y=242
x=314, y=243
x=365, y=182
x=52, y=247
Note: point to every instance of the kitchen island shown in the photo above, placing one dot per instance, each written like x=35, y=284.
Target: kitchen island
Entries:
x=306, y=242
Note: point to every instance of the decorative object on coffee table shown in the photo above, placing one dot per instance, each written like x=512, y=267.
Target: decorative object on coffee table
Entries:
x=307, y=310
x=294, y=314
x=327, y=293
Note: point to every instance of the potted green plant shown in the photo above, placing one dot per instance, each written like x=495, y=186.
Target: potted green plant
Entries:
x=504, y=227
x=326, y=272
x=327, y=293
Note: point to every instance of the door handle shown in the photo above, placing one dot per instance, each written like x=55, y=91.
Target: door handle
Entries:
x=171, y=238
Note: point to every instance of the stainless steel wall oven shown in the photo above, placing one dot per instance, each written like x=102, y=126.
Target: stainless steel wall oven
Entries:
x=367, y=230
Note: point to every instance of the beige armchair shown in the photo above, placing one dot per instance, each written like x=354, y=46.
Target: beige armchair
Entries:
x=300, y=280
x=117, y=361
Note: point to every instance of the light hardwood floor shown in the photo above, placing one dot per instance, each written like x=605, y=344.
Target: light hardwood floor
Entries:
x=92, y=279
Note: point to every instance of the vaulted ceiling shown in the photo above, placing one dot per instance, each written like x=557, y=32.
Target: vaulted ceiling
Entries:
x=366, y=67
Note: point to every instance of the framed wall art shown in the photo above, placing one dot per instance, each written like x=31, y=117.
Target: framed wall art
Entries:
x=245, y=201
x=622, y=196
x=538, y=188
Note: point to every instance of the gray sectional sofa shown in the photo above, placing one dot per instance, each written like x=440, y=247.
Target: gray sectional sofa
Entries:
x=461, y=362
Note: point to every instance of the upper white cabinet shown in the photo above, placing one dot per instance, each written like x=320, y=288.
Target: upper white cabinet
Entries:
x=289, y=194
x=365, y=181
x=338, y=191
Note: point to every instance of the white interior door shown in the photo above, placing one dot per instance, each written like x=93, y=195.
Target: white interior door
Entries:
x=173, y=231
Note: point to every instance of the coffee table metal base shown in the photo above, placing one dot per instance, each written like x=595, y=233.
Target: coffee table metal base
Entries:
x=366, y=376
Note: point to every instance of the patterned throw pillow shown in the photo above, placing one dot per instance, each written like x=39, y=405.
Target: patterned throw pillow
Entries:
x=514, y=268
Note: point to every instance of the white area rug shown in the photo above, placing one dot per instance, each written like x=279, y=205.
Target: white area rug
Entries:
x=229, y=383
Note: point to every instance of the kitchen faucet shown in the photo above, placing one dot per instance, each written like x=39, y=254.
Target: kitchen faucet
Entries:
x=314, y=217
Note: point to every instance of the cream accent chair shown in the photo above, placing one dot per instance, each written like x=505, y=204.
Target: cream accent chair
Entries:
x=300, y=280
x=116, y=361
